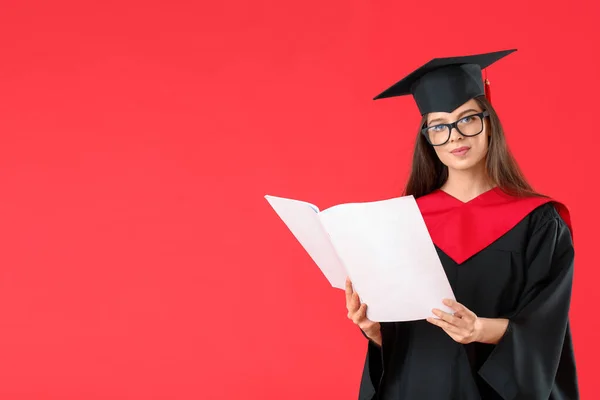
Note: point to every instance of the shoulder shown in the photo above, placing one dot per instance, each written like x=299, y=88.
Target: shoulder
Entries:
x=544, y=213
x=434, y=202
x=551, y=214
x=549, y=232
x=427, y=202
x=427, y=196
x=538, y=208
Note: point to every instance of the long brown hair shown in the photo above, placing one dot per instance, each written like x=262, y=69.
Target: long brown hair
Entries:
x=429, y=174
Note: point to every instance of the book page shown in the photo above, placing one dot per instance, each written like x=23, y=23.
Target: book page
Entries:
x=303, y=221
x=390, y=258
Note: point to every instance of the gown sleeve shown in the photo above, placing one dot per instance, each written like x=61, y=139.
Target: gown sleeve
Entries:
x=374, y=362
x=536, y=351
x=372, y=372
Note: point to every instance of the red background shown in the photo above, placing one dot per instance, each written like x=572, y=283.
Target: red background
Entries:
x=138, y=258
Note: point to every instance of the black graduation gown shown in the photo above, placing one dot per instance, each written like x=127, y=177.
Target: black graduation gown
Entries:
x=525, y=275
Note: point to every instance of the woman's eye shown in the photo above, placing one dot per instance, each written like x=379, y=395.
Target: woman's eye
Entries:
x=466, y=120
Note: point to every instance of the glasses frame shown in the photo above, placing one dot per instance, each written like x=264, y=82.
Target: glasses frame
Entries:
x=451, y=125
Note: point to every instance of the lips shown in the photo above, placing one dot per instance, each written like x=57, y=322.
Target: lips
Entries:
x=460, y=150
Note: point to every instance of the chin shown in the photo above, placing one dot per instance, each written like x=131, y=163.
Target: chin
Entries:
x=464, y=164
x=461, y=166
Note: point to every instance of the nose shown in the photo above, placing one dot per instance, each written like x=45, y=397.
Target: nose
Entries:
x=454, y=134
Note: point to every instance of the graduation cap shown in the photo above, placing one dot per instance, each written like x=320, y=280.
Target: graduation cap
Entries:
x=443, y=84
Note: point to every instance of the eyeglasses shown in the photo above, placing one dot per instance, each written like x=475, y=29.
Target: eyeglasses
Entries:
x=470, y=125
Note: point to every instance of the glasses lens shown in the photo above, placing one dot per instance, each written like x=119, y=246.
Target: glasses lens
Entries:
x=471, y=125
x=437, y=134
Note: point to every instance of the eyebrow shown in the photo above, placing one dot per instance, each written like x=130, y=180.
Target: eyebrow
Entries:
x=459, y=116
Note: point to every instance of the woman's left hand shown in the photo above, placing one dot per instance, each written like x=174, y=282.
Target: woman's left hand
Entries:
x=464, y=326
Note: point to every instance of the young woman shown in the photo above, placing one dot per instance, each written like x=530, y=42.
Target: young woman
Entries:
x=507, y=251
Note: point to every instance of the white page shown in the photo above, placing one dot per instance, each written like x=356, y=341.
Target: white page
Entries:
x=303, y=221
x=390, y=258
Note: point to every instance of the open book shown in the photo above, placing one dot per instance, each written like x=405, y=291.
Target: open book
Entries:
x=383, y=246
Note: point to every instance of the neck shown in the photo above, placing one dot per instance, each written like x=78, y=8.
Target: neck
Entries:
x=465, y=185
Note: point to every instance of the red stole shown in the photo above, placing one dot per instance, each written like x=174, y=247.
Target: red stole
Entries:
x=462, y=230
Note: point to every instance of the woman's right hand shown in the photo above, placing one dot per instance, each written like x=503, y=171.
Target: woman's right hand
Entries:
x=358, y=314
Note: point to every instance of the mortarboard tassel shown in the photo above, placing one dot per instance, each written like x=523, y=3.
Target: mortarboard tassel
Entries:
x=488, y=90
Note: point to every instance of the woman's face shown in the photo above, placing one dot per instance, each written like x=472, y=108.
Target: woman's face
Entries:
x=460, y=152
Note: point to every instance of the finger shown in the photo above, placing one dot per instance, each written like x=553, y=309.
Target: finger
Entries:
x=362, y=311
x=353, y=305
x=449, y=318
x=456, y=306
x=460, y=309
x=354, y=302
x=453, y=304
x=360, y=315
x=468, y=318
x=449, y=328
x=348, y=291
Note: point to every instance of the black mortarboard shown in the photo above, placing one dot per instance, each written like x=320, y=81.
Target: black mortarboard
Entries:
x=443, y=84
